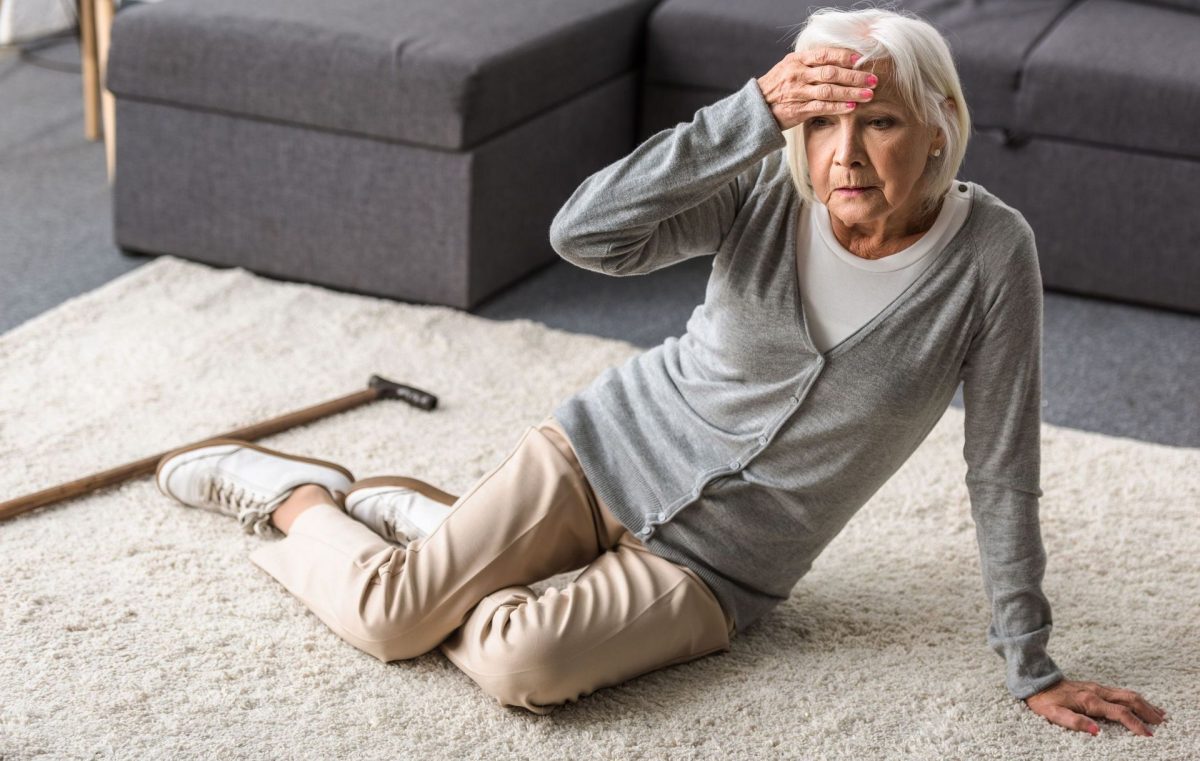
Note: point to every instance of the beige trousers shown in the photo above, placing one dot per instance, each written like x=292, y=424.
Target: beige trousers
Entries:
x=463, y=587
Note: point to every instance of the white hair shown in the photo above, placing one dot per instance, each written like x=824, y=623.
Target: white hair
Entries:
x=925, y=77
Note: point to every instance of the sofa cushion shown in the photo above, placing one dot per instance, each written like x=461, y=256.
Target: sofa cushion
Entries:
x=1187, y=5
x=1117, y=73
x=715, y=44
x=442, y=73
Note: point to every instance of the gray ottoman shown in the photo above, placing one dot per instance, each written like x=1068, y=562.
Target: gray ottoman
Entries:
x=416, y=150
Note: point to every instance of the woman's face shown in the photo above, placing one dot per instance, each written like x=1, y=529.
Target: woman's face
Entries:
x=881, y=145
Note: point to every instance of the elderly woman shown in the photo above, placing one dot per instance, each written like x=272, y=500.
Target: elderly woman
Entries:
x=855, y=284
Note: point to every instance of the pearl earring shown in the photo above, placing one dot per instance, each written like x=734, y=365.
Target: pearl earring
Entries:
x=937, y=152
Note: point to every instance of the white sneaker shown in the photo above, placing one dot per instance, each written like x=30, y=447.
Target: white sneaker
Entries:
x=243, y=480
x=397, y=508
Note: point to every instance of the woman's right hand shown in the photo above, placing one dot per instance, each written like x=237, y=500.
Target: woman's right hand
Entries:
x=818, y=81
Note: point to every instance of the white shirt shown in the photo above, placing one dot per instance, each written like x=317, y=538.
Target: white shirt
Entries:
x=841, y=292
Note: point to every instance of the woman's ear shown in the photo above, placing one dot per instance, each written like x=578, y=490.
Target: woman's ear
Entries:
x=952, y=106
x=939, y=140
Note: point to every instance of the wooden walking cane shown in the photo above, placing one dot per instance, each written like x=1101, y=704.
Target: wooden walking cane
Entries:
x=377, y=388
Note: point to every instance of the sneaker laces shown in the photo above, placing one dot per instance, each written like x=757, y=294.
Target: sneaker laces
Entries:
x=253, y=515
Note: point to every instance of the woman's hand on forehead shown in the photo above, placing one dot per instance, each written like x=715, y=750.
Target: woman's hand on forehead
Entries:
x=815, y=82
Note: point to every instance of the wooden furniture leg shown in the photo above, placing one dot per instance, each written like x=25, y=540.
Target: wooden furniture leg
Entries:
x=104, y=10
x=91, y=75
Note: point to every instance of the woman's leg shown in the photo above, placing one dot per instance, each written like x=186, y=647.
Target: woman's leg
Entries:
x=303, y=498
x=530, y=517
x=630, y=612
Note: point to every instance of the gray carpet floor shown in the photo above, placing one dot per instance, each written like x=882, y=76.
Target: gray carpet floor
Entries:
x=1111, y=368
x=132, y=628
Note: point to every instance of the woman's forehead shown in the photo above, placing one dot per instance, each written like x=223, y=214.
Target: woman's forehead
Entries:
x=886, y=89
x=886, y=93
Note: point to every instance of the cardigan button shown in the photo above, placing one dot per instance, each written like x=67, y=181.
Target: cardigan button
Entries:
x=735, y=465
x=795, y=400
x=762, y=440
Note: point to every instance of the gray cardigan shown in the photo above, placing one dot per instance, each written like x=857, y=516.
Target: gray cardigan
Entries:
x=738, y=449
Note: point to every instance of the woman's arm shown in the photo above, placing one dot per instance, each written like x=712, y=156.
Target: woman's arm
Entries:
x=1002, y=385
x=675, y=196
x=1002, y=382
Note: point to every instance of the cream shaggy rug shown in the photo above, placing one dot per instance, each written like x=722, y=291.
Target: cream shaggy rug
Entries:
x=132, y=627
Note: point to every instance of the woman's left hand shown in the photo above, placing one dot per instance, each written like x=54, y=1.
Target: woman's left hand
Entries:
x=1069, y=703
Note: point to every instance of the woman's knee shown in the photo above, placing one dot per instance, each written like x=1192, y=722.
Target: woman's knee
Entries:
x=373, y=617
x=385, y=641
x=377, y=636
x=510, y=654
x=525, y=678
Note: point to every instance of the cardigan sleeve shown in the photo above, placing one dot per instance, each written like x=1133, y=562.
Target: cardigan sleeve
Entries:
x=675, y=196
x=1002, y=400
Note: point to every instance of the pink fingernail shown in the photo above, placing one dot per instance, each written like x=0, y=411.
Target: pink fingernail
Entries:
x=854, y=58
x=851, y=104
x=1094, y=729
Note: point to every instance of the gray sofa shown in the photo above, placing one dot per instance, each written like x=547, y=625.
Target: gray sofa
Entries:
x=419, y=150
x=1084, y=113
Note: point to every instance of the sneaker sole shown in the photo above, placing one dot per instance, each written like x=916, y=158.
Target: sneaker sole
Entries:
x=429, y=490
x=221, y=442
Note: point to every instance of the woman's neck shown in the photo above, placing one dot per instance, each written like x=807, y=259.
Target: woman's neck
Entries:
x=868, y=249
